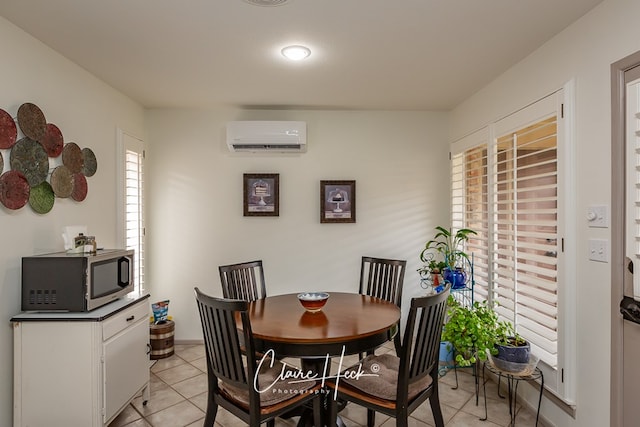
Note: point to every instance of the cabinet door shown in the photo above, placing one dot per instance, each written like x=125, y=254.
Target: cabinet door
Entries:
x=126, y=366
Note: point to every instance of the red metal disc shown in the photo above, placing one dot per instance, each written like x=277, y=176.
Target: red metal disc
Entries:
x=14, y=189
x=80, y=187
x=8, y=130
x=53, y=141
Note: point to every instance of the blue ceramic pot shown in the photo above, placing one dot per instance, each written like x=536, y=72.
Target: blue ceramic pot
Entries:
x=446, y=352
x=457, y=278
x=513, y=354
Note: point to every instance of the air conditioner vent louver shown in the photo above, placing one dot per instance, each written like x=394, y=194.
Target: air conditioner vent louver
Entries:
x=263, y=147
x=267, y=136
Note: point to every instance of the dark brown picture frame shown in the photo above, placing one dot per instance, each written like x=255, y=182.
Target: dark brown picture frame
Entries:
x=337, y=201
x=261, y=194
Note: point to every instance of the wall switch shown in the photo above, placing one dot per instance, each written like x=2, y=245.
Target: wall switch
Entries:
x=599, y=250
x=598, y=216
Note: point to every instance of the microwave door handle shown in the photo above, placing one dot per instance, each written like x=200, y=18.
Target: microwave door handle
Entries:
x=123, y=272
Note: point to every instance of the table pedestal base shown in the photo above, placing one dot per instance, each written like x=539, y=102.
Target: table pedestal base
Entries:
x=306, y=417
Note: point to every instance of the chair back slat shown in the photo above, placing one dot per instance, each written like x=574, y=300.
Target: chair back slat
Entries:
x=421, y=343
x=222, y=342
x=243, y=281
x=382, y=278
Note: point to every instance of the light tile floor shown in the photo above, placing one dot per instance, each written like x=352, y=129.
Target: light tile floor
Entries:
x=179, y=395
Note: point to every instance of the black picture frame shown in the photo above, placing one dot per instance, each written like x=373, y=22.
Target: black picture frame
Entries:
x=261, y=194
x=337, y=201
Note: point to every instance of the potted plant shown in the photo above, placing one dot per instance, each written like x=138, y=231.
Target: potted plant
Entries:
x=432, y=271
x=514, y=350
x=449, y=246
x=473, y=331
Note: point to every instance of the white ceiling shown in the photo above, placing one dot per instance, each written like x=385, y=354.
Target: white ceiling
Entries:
x=366, y=54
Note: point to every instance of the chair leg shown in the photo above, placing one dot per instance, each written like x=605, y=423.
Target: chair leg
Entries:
x=333, y=411
x=317, y=410
x=434, y=401
x=402, y=421
x=212, y=411
x=271, y=422
x=371, y=417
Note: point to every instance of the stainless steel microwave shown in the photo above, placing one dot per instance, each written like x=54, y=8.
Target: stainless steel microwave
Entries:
x=64, y=281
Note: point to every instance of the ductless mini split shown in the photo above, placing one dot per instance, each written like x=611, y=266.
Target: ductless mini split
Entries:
x=267, y=136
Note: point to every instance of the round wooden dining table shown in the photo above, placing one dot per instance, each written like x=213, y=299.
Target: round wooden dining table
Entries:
x=348, y=323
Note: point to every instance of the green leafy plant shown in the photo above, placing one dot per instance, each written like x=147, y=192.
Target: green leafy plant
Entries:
x=448, y=245
x=474, y=330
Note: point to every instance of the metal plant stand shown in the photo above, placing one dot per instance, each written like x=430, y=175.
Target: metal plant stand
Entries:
x=513, y=379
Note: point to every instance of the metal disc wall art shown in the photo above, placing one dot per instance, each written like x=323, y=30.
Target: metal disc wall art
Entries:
x=32, y=121
x=90, y=165
x=28, y=156
x=41, y=198
x=14, y=190
x=53, y=141
x=8, y=130
x=80, y=187
x=62, y=181
x=72, y=157
x=28, y=179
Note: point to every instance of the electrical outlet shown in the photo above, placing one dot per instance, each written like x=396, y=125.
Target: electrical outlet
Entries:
x=599, y=250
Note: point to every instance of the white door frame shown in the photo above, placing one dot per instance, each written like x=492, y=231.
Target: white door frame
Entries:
x=618, y=179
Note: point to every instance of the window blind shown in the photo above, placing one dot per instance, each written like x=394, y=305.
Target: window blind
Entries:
x=511, y=183
x=134, y=205
x=469, y=196
x=524, y=233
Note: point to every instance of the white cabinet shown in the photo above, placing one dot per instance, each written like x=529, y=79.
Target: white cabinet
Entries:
x=80, y=369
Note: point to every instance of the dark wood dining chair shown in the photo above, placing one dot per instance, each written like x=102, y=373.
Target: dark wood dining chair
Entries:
x=398, y=385
x=383, y=278
x=243, y=281
x=255, y=391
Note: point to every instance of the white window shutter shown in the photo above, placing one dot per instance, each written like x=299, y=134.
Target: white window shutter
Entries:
x=132, y=211
x=525, y=233
x=505, y=183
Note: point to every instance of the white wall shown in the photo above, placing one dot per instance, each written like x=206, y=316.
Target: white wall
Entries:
x=194, y=202
x=195, y=222
x=583, y=52
x=87, y=112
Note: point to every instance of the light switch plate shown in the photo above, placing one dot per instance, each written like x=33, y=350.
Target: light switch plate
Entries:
x=599, y=250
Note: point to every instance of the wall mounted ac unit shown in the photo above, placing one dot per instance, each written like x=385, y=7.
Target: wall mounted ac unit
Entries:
x=267, y=136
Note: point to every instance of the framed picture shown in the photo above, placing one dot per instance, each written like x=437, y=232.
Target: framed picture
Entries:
x=337, y=201
x=261, y=194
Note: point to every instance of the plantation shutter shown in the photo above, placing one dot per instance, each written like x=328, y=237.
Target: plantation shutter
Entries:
x=134, y=204
x=469, y=203
x=524, y=229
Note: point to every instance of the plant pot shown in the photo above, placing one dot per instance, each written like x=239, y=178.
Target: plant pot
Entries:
x=457, y=278
x=446, y=352
x=435, y=277
x=512, y=357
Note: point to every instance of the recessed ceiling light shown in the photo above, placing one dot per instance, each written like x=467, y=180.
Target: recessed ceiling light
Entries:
x=296, y=52
x=267, y=2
